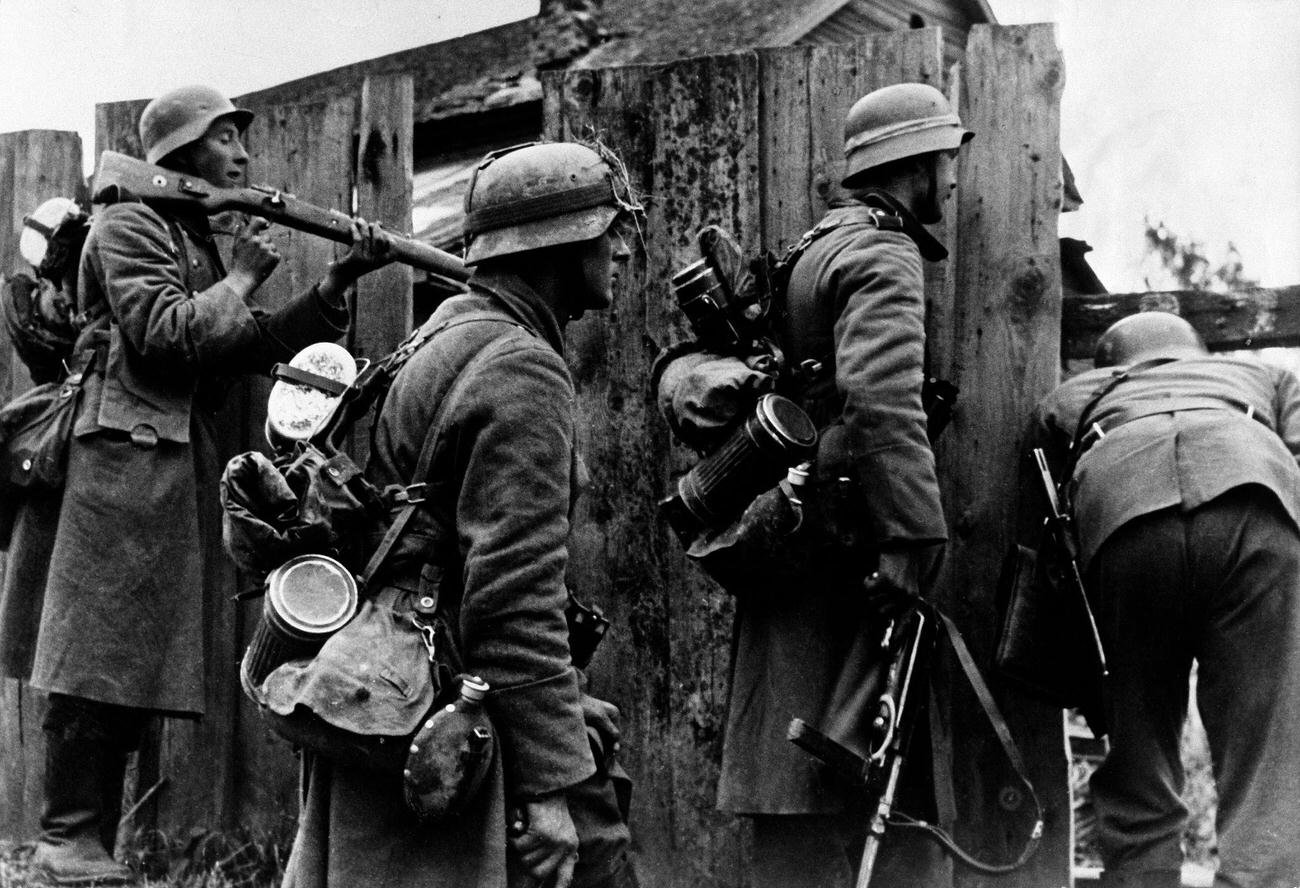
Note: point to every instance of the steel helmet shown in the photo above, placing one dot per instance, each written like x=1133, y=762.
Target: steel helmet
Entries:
x=895, y=122
x=1146, y=335
x=541, y=194
x=183, y=115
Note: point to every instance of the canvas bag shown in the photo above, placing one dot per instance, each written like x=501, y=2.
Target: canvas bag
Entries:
x=364, y=694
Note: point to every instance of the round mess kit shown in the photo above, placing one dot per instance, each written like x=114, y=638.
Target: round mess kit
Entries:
x=308, y=599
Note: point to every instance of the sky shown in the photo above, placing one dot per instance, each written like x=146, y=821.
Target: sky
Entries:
x=1181, y=111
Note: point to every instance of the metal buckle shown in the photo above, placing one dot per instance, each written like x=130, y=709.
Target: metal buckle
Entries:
x=428, y=636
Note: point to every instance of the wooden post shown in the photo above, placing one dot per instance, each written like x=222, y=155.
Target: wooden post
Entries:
x=1002, y=350
x=689, y=136
x=35, y=165
x=382, y=300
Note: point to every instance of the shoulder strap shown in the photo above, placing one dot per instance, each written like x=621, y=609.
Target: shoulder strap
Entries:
x=398, y=527
x=1082, y=430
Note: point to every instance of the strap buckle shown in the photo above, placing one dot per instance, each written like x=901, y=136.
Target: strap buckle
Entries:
x=408, y=495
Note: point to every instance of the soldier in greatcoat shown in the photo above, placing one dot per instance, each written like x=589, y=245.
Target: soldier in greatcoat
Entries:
x=1186, y=499
x=855, y=327
x=120, y=635
x=490, y=542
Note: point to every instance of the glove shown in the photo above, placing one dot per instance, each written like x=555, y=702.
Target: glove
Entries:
x=894, y=587
x=701, y=395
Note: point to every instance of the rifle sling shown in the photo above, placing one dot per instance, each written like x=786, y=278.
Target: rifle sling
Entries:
x=944, y=796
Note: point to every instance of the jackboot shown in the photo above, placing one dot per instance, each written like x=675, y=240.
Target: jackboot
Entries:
x=71, y=851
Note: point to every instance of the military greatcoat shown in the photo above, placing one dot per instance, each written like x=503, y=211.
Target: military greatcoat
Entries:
x=491, y=538
x=126, y=590
x=856, y=305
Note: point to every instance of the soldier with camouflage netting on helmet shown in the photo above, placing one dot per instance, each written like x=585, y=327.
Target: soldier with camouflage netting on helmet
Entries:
x=855, y=326
x=544, y=228
x=125, y=576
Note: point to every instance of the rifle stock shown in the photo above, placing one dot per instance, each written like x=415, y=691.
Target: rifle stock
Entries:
x=160, y=185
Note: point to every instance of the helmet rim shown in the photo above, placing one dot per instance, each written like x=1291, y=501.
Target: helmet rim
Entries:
x=182, y=116
x=566, y=228
x=863, y=158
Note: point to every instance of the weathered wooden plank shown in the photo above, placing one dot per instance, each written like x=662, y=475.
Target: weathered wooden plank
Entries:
x=689, y=136
x=35, y=165
x=786, y=184
x=117, y=127
x=305, y=148
x=1259, y=317
x=382, y=300
x=1006, y=321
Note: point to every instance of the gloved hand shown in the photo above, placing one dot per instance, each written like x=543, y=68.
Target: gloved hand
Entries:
x=894, y=588
x=702, y=395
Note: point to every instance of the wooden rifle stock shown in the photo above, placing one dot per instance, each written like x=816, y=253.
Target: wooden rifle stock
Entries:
x=160, y=185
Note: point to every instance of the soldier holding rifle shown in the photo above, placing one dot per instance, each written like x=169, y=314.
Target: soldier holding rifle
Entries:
x=1186, y=500
x=120, y=636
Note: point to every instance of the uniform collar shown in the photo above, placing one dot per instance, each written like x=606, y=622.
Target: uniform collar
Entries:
x=521, y=302
x=931, y=249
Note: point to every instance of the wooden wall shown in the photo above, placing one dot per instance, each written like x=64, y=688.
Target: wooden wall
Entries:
x=35, y=165
x=752, y=141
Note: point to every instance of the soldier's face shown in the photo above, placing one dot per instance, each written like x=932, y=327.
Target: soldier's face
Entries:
x=219, y=157
x=943, y=183
x=602, y=258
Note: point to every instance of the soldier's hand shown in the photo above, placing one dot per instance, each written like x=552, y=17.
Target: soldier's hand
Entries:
x=547, y=843
x=254, y=255
x=602, y=716
x=895, y=586
x=372, y=248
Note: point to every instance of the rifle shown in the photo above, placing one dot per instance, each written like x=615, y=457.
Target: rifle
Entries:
x=1061, y=526
x=910, y=648
x=880, y=771
x=160, y=185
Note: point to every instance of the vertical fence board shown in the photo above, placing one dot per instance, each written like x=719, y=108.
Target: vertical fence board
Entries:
x=688, y=134
x=1005, y=345
x=35, y=165
x=382, y=305
x=306, y=149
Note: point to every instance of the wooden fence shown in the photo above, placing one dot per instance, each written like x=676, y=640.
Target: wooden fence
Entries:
x=750, y=141
x=34, y=165
x=753, y=142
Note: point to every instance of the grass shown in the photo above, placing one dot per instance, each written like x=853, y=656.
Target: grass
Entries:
x=241, y=858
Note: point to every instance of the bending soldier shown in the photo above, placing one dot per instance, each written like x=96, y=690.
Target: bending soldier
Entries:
x=856, y=308
x=492, y=390
x=1186, y=500
x=119, y=638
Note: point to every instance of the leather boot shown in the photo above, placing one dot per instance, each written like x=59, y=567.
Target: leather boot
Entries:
x=70, y=852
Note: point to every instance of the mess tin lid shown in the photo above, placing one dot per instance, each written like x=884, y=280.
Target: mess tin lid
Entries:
x=311, y=595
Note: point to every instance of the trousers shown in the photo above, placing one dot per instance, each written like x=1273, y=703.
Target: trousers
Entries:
x=1219, y=584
